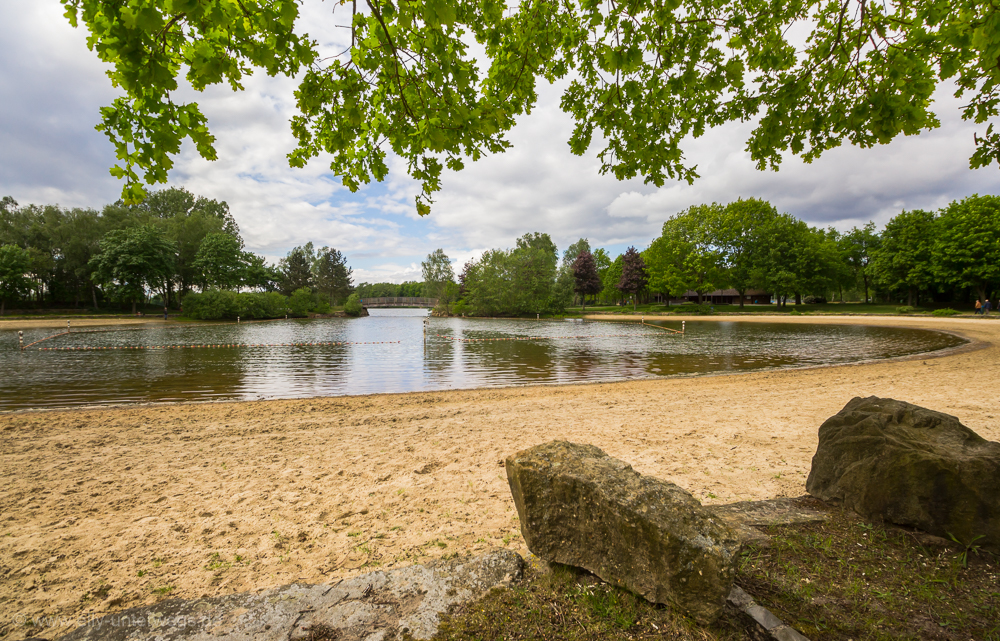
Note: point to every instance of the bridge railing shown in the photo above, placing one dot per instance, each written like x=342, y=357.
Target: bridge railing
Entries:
x=399, y=301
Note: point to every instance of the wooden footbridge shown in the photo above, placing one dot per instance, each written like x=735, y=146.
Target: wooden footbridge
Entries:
x=399, y=301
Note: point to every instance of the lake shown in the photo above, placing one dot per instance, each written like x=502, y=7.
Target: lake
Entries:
x=386, y=352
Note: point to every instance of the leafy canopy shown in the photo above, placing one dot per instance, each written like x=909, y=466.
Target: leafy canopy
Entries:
x=437, y=272
x=132, y=260
x=14, y=264
x=968, y=236
x=644, y=75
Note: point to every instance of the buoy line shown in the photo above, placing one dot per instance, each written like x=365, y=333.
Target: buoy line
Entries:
x=536, y=338
x=126, y=329
x=209, y=346
x=42, y=340
x=666, y=329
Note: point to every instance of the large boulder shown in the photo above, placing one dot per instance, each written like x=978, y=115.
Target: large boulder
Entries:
x=579, y=506
x=893, y=461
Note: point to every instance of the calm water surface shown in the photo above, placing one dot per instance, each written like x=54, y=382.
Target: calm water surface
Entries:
x=560, y=352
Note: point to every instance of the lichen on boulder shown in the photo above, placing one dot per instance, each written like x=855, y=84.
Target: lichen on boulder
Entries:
x=580, y=507
x=892, y=461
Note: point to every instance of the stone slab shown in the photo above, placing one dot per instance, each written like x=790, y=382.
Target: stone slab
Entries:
x=373, y=607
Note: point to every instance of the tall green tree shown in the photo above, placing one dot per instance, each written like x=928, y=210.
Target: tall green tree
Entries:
x=859, y=246
x=738, y=233
x=331, y=275
x=968, y=242
x=258, y=275
x=517, y=282
x=75, y=241
x=685, y=257
x=437, y=272
x=13, y=223
x=904, y=260
x=489, y=289
x=219, y=261
x=788, y=263
x=185, y=219
x=602, y=260
x=841, y=273
x=610, y=278
x=535, y=261
x=133, y=260
x=569, y=256
x=177, y=202
x=296, y=269
x=14, y=283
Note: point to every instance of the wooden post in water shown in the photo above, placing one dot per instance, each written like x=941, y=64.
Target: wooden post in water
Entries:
x=20, y=339
x=683, y=323
x=68, y=328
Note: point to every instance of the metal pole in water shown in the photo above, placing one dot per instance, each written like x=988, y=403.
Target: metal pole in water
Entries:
x=68, y=328
x=683, y=323
x=237, y=320
x=20, y=339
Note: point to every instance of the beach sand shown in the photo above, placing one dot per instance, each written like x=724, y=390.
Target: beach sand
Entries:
x=108, y=508
x=60, y=323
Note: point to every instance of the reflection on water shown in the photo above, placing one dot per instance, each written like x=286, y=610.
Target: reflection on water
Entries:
x=568, y=351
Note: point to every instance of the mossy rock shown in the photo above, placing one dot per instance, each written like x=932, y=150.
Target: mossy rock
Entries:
x=893, y=461
x=580, y=507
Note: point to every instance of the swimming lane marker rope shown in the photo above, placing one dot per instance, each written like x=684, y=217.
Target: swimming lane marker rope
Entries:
x=213, y=346
x=534, y=338
x=41, y=340
x=666, y=329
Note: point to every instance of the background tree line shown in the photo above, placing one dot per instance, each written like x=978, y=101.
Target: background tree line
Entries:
x=409, y=289
x=177, y=246
x=952, y=255
x=170, y=246
x=920, y=256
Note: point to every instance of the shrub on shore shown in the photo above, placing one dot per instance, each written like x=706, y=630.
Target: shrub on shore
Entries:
x=945, y=311
x=219, y=304
x=353, y=305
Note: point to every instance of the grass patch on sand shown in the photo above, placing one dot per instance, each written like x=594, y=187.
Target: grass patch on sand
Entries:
x=846, y=578
x=572, y=604
x=839, y=579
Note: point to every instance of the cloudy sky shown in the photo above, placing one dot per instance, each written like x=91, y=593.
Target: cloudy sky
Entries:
x=52, y=87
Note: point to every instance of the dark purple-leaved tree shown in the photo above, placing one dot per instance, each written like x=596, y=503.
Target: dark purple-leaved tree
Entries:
x=634, y=276
x=585, y=277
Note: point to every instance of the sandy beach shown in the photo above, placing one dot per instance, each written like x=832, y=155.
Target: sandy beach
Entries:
x=109, y=508
x=32, y=323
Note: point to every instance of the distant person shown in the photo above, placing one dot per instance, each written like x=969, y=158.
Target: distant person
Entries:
x=986, y=308
x=979, y=307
